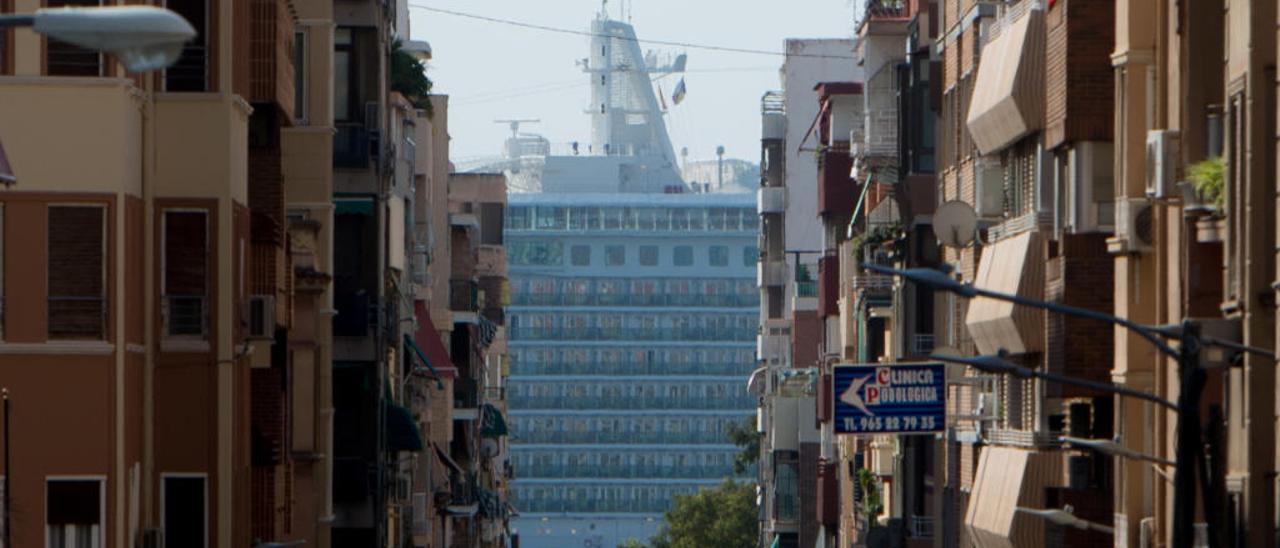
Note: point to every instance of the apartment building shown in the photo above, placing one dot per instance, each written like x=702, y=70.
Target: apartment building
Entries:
x=160, y=291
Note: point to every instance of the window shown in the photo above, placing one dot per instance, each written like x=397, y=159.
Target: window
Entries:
x=184, y=512
x=300, y=75
x=64, y=59
x=73, y=513
x=344, y=75
x=77, y=272
x=718, y=255
x=682, y=255
x=750, y=254
x=648, y=255
x=191, y=71
x=185, y=287
x=580, y=255
x=615, y=255
x=535, y=253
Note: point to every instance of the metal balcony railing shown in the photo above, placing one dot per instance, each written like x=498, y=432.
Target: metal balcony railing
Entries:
x=807, y=289
x=351, y=146
x=922, y=343
x=527, y=367
x=634, y=299
x=631, y=334
x=920, y=527
x=185, y=315
x=872, y=281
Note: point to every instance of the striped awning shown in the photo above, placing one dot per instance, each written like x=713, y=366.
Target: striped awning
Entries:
x=1008, y=95
x=1012, y=266
x=1007, y=478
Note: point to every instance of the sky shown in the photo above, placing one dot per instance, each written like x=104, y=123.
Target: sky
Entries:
x=494, y=71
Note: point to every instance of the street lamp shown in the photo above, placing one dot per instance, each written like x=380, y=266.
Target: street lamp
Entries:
x=1189, y=450
x=1065, y=517
x=997, y=364
x=1110, y=447
x=144, y=38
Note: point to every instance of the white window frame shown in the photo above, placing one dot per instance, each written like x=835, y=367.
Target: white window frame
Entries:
x=102, y=505
x=164, y=488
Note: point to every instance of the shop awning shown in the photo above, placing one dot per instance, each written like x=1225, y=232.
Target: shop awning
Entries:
x=353, y=206
x=1010, y=266
x=402, y=430
x=447, y=460
x=1008, y=94
x=428, y=346
x=492, y=424
x=1006, y=479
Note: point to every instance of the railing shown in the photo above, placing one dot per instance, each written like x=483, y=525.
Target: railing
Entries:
x=745, y=402
x=872, y=281
x=630, y=368
x=557, y=505
x=464, y=296
x=543, y=436
x=920, y=526
x=806, y=288
x=351, y=146
x=185, y=315
x=634, y=299
x=190, y=72
x=886, y=9
x=584, y=470
x=631, y=334
x=922, y=343
x=462, y=490
x=77, y=317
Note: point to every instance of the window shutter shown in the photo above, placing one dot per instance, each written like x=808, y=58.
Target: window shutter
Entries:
x=76, y=264
x=185, y=253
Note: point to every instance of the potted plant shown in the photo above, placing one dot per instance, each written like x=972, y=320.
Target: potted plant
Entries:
x=1207, y=179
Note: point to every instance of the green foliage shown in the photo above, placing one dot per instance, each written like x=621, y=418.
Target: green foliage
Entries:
x=723, y=516
x=633, y=543
x=872, y=505
x=409, y=77
x=1208, y=176
x=744, y=435
x=890, y=234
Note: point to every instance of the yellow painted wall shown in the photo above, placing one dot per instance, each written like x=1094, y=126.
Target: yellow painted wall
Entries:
x=211, y=162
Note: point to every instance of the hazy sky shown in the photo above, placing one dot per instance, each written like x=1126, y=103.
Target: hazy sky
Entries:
x=494, y=71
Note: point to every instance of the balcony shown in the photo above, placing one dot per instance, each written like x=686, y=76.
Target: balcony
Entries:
x=771, y=199
x=628, y=471
x=464, y=296
x=744, y=402
x=886, y=9
x=837, y=191
x=351, y=146
x=864, y=280
x=920, y=527
x=806, y=289
x=771, y=273
x=709, y=334
x=271, y=43
x=635, y=299
x=526, y=367
x=922, y=343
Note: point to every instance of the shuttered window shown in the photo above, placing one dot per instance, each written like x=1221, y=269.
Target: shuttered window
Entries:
x=77, y=284
x=64, y=59
x=186, y=273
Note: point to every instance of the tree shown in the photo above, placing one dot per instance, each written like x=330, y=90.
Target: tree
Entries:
x=723, y=516
x=744, y=435
x=409, y=77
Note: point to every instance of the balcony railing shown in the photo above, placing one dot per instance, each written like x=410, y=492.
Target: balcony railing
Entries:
x=634, y=299
x=351, y=145
x=630, y=368
x=544, y=436
x=922, y=343
x=77, y=317
x=462, y=490
x=745, y=402
x=872, y=281
x=807, y=289
x=626, y=471
x=920, y=526
x=464, y=296
x=631, y=334
x=556, y=505
x=185, y=315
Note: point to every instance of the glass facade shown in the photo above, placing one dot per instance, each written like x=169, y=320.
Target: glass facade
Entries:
x=629, y=359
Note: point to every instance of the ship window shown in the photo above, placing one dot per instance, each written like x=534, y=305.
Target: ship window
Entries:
x=615, y=255
x=648, y=255
x=581, y=255
x=718, y=255
x=682, y=255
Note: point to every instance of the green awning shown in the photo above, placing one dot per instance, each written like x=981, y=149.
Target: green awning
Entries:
x=493, y=424
x=422, y=356
x=353, y=206
x=776, y=538
x=402, y=430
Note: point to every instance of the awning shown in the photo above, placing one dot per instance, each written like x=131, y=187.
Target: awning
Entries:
x=447, y=460
x=492, y=422
x=433, y=352
x=1006, y=479
x=756, y=382
x=1008, y=95
x=1010, y=266
x=6, y=171
x=353, y=206
x=402, y=430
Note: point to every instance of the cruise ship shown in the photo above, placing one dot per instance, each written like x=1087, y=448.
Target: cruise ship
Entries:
x=633, y=314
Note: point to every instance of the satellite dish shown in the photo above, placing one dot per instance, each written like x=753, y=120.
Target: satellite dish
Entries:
x=955, y=224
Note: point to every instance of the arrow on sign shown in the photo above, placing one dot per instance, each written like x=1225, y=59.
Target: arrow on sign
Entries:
x=853, y=396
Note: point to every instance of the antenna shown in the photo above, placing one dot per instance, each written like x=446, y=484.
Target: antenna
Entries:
x=515, y=124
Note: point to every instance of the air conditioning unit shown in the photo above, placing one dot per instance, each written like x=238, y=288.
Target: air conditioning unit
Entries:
x=988, y=187
x=151, y=538
x=1163, y=160
x=260, y=316
x=1135, y=225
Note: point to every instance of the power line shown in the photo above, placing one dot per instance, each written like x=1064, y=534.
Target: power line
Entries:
x=600, y=35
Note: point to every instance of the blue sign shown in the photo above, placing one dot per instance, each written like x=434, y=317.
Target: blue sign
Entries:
x=889, y=399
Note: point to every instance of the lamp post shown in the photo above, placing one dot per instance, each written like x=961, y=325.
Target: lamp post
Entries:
x=1189, y=450
x=1067, y=518
x=144, y=38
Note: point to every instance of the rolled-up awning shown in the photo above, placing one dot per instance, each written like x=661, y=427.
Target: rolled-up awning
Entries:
x=1008, y=95
x=756, y=382
x=402, y=430
x=1010, y=266
x=1006, y=479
